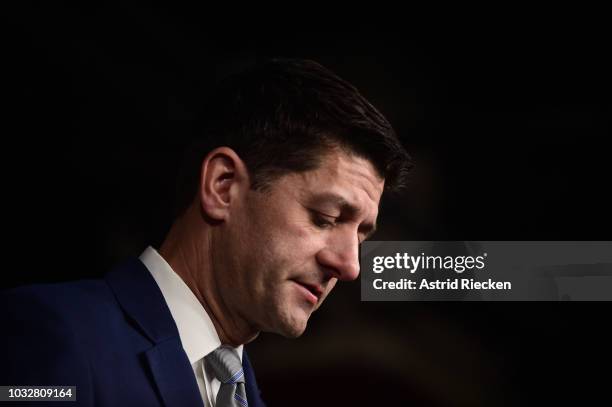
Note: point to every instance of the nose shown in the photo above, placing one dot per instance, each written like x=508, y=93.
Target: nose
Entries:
x=341, y=259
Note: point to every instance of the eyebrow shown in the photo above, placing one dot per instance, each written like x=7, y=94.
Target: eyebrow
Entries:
x=330, y=197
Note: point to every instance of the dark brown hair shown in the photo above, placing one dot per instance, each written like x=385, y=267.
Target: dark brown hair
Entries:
x=283, y=116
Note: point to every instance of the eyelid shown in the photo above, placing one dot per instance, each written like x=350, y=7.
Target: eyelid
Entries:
x=332, y=220
x=325, y=214
x=323, y=221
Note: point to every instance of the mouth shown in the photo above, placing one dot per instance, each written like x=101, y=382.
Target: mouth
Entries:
x=312, y=292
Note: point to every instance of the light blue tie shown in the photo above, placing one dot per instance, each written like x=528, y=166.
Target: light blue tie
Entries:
x=225, y=365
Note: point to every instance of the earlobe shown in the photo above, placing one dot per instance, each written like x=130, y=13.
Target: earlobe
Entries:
x=223, y=178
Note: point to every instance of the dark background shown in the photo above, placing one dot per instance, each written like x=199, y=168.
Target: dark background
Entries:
x=509, y=131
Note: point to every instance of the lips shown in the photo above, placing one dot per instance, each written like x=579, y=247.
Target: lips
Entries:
x=312, y=292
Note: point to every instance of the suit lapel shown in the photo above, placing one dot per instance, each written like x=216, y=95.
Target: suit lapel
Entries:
x=140, y=298
x=252, y=391
x=173, y=374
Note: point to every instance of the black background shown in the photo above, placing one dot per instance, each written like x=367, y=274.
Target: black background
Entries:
x=509, y=131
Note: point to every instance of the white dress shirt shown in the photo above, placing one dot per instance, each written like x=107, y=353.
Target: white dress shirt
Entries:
x=196, y=330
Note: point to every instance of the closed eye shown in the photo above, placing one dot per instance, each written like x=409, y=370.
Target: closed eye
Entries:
x=321, y=220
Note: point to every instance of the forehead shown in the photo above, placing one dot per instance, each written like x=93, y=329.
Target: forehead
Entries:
x=341, y=177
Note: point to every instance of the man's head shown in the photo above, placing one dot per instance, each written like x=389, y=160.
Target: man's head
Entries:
x=284, y=188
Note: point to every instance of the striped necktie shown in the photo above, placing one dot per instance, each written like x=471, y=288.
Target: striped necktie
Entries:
x=225, y=365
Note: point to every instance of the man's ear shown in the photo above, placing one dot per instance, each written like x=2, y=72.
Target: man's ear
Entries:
x=223, y=179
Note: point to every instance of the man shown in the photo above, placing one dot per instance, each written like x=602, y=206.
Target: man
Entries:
x=273, y=205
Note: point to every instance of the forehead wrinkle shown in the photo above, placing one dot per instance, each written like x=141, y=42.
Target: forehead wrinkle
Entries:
x=363, y=170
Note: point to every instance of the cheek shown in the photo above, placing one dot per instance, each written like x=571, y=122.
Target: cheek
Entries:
x=291, y=239
x=281, y=238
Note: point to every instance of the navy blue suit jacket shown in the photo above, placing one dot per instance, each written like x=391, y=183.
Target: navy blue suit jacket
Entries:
x=114, y=339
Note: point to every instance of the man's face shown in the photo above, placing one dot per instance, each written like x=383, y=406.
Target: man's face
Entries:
x=287, y=246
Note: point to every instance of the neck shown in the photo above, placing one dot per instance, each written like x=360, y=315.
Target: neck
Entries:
x=188, y=249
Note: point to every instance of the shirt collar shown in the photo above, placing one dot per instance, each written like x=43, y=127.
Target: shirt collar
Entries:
x=196, y=330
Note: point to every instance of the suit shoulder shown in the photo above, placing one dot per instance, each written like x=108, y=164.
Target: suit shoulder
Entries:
x=59, y=297
x=59, y=311
x=39, y=345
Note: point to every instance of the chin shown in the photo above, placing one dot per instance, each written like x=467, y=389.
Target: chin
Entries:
x=293, y=332
x=292, y=325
